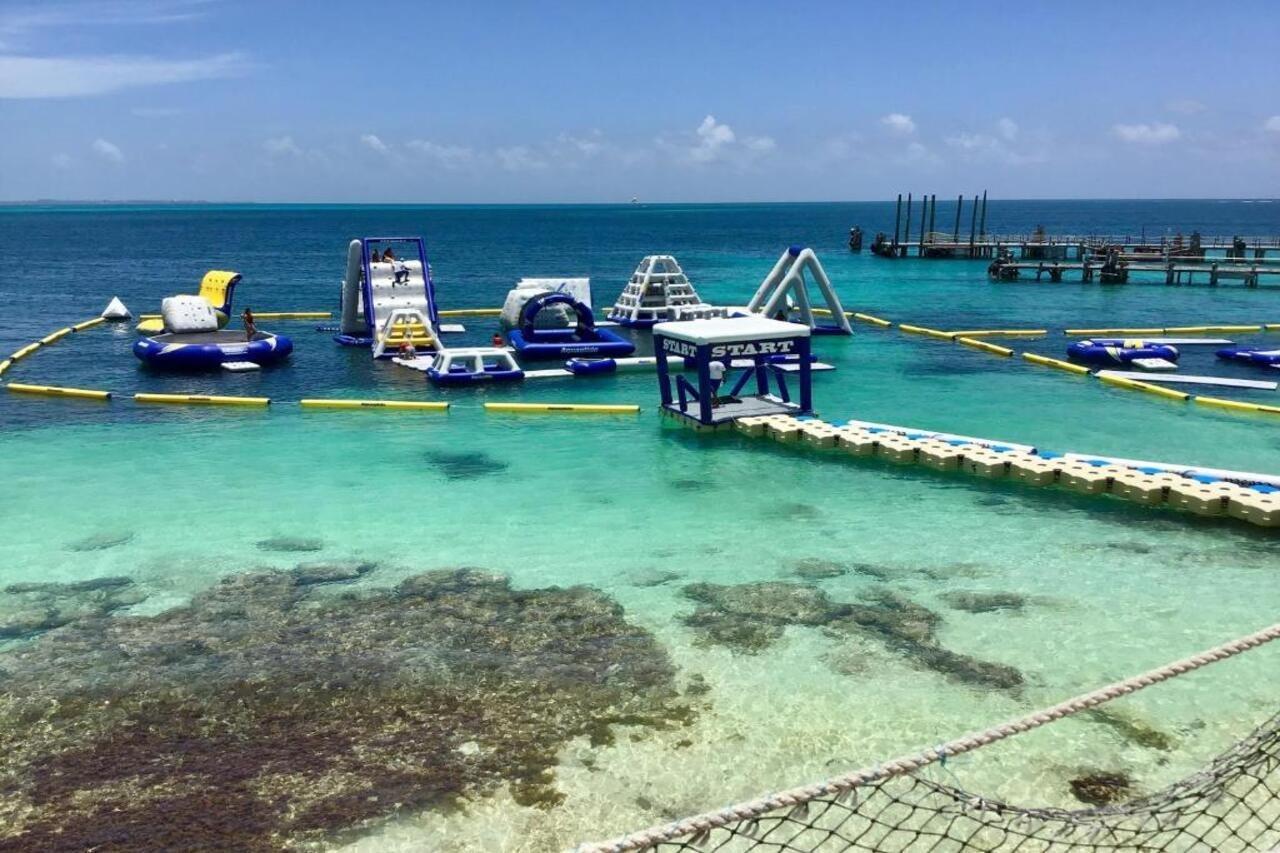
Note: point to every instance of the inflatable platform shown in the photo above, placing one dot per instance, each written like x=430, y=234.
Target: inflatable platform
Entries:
x=1115, y=351
x=388, y=302
x=192, y=339
x=1251, y=355
x=583, y=338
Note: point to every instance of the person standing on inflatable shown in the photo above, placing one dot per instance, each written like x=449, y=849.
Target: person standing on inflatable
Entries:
x=716, y=371
x=250, y=328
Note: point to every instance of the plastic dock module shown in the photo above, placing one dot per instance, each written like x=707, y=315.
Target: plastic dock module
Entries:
x=1200, y=498
x=55, y=391
x=563, y=408
x=986, y=462
x=201, y=400
x=1257, y=508
x=940, y=455
x=754, y=426
x=1138, y=487
x=411, y=405
x=1033, y=470
x=857, y=442
x=819, y=433
x=899, y=449
x=784, y=429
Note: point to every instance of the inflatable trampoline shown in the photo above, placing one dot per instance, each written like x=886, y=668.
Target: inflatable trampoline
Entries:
x=591, y=366
x=209, y=350
x=1251, y=355
x=1116, y=351
x=192, y=339
x=584, y=338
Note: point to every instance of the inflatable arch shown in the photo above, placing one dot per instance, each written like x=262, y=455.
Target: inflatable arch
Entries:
x=785, y=290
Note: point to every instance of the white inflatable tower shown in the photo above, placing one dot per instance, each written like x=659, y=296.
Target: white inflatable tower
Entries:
x=658, y=291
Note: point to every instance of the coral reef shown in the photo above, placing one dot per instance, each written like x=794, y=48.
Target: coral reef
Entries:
x=816, y=569
x=272, y=710
x=27, y=609
x=101, y=541
x=1102, y=788
x=984, y=602
x=290, y=544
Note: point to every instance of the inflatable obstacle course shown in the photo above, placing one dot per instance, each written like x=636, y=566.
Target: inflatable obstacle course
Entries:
x=583, y=338
x=784, y=293
x=659, y=291
x=388, y=303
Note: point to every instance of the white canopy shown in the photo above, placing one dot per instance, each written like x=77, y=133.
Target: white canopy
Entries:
x=726, y=330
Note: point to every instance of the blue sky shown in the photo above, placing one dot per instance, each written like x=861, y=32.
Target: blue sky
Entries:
x=602, y=101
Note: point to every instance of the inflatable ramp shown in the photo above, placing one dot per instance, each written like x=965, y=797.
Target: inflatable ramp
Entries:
x=388, y=300
x=784, y=293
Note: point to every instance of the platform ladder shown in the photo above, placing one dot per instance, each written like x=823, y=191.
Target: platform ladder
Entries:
x=404, y=326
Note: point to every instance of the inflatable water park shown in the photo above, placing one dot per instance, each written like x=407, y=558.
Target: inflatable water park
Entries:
x=746, y=366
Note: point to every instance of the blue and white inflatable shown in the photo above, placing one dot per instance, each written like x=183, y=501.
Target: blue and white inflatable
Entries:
x=193, y=341
x=582, y=339
x=1251, y=355
x=1117, y=351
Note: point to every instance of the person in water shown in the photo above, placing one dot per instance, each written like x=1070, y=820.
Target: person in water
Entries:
x=497, y=340
x=250, y=327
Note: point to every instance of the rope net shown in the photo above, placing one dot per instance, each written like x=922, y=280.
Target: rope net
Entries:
x=1232, y=805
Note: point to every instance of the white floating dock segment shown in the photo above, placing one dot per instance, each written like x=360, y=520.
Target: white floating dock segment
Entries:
x=944, y=436
x=1184, y=379
x=1190, y=342
x=241, y=366
x=452, y=328
x=1153, y=364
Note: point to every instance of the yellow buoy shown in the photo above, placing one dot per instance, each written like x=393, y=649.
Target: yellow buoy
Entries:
x=88, y=324
x=563, y=408
x=25, y=351
x=201, y=400
x=1210, y=330
x=292, y=315
x=1135, y=385
x=421, y=405
x=973, y=343
x=5, y=365
x=1237, y=405
x=872, y=319
x=471, y=312
x=923, y=330
x=1000, y=333
x=1056, y=363
x=55, y=391
x=54, y=337
x=1088, y=332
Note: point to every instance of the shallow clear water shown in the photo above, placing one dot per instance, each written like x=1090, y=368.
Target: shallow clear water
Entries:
x=613, y=501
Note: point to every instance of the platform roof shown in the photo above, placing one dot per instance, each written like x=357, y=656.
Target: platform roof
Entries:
x=724, y=330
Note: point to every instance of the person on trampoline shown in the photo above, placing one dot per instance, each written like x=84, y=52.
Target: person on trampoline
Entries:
x=250, y=327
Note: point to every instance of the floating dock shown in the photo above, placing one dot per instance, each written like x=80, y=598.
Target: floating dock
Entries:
x=1244, y=496
x=1213, y=274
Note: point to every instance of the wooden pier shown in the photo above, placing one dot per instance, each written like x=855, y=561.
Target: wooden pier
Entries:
x=1118, y=272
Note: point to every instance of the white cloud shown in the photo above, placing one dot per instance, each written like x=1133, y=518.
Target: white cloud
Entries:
x=282, y=145
x=1147, y=134
x=899, y=123
x=61, y=161
x=107, y=150
x=72, y=76
x=971, y=141
x=374, y=143
x=22, y=20
x=761, y=144
x=1272, y=124
x=1008, y=128
x=448, y=156
x=1185, y=106
x=520, y=158
x=712, y=137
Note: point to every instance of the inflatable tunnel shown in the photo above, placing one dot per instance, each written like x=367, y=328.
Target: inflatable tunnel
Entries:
x=583, y=338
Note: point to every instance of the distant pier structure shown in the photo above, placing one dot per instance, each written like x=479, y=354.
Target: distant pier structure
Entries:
x=1090, y=251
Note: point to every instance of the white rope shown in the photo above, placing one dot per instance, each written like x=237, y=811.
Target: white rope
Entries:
x=913, y=762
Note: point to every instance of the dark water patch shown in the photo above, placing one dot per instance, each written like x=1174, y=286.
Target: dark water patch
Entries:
x=1132, y=728
x=1119, y=547
x=690, y=484
x=290, y=544
x=267, y=713
x=101, y=541
x=816, y=569
x=873, y=570
x=1102, y=788
x=465, y=465
x=984, y=602
x=652, y=577
x=319, y=573
x=794, y=510
x=992, y=501
x=28, y=609
x=749, y=618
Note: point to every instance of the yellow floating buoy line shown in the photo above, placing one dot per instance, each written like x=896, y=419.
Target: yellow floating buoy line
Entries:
x=56, y=391
x=872, y=319
x=1176, y=330
x=974, y=343
x=267, y=315
x=924, y=330
x=201, y=400
x=564, y=408
x=419, y=405
x=88, y=324
x=1000, y=333
x=1056, y=363
x=1136, y=385
x=1236, y=405
x=471, y=312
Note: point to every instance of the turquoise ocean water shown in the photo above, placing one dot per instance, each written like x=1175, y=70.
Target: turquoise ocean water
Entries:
x=182, y=497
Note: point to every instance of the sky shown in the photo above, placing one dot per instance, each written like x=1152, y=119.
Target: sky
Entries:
x=603, y=100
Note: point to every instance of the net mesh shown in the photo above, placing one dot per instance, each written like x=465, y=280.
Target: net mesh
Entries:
x=1231, y=805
